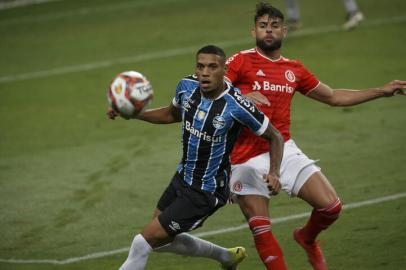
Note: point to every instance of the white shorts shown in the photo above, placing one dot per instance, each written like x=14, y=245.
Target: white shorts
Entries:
x=296, y=168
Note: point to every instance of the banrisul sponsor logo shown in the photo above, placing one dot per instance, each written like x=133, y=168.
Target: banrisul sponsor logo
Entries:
x=202, y=135
x=267, y=86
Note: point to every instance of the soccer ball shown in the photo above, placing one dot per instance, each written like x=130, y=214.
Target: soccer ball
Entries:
x=129, y=93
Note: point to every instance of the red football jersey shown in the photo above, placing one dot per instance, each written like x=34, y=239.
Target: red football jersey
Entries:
x=278, y=80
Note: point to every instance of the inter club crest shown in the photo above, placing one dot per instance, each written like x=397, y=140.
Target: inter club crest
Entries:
x=290, y=76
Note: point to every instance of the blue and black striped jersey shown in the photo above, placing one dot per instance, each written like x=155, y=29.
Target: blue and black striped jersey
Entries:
x=209, y=131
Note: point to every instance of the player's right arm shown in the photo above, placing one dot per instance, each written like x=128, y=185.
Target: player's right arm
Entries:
x=276, y=145
x=165, y=115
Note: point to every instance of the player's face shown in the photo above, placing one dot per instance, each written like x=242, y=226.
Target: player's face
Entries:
x=269, y=33
x=210, y=71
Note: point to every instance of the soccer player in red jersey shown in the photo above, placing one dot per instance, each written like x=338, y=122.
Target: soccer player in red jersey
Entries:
x=271, y=80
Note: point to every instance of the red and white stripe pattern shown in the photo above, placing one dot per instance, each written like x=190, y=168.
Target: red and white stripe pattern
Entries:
x=259, y=225
x=332, y=211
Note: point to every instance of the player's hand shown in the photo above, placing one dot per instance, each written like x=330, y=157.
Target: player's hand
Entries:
x=258, y=98
x=111, y=114
x=272, y=181
x=395, y=87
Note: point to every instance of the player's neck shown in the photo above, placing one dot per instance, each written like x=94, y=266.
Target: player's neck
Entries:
x=214, y=94
x=273, y=55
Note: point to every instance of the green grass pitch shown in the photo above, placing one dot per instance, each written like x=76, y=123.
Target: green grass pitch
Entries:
x=73, y=183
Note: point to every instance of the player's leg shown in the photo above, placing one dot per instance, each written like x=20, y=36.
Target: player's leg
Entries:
x=255, y=210
x=350, y=6
x=189, y=245
x=301, y=177
x=319, y=193
x=253, y=197
x=313, y=187
x=140, y=246
x=151, y=236
x=190, y=215
x=293, y=14
x=354, y=16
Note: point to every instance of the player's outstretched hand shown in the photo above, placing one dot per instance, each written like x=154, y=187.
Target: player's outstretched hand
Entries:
x=272, y=181
x=258, y=98
x=395, y=87
x=111, y=114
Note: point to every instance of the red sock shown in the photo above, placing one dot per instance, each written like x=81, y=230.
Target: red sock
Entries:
x=320, y=220
x=266, y=244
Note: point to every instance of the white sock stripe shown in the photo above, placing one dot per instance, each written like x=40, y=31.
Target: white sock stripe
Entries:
x=259, y=218
x=331, y=206
x=254, y=232
x=262, y=229
x=262, y=226
x=261, y=232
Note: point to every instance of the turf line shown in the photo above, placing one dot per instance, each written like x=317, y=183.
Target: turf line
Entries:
x=22, y=3
x=178, y=51
x=202, y=234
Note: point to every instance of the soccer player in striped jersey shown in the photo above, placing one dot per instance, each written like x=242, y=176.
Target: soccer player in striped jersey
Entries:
x=212, y=113
x=264, y=75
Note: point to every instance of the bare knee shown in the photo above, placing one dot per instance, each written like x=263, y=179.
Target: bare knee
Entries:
x=156, y=213
x=155, y=234
x=253, y=205
x=332, y=211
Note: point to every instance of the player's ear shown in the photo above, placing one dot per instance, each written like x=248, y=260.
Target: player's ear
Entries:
x=253, y=34
x=284, y=30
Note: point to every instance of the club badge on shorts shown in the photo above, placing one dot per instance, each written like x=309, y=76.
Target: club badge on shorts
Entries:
x=237, y=186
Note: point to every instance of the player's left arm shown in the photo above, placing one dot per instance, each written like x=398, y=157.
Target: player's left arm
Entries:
x=276, y=144
x=349, y=97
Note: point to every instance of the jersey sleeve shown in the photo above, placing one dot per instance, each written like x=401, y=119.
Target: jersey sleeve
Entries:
x=184, y=85
x=246, y=113
x=234, y=64
x=177, y=99
x=307, y=81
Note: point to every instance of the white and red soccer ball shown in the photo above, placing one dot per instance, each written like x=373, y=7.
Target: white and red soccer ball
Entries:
x=129, y=93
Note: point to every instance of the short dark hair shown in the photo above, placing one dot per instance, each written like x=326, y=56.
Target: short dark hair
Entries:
x=267, y=9
x=212, y=49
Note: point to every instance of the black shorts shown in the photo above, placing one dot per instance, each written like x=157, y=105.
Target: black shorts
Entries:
x=183, y=208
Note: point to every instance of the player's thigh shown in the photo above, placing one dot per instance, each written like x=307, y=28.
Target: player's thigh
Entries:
x=156, y=213
x=253, y=205
x=296, y=169
x=247, y=178
x=317, y=191
x=155, y=234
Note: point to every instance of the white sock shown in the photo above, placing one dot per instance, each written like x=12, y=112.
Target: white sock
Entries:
x=138, y=255
x=292, y=10
x=186, y=244
x=350, y=6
